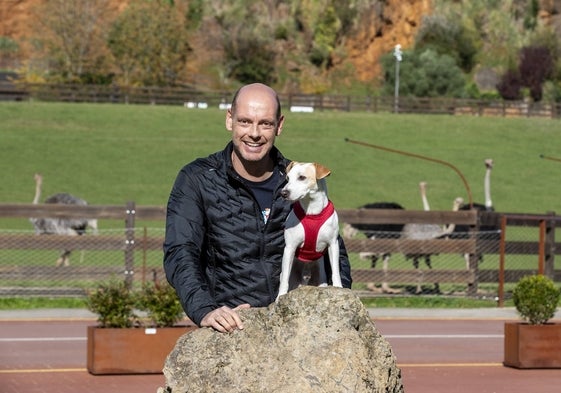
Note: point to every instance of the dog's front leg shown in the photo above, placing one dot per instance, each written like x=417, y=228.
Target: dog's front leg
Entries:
x=333, y=251
x=287, y=261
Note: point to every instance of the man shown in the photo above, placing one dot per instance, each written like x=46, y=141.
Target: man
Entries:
x=225, y=218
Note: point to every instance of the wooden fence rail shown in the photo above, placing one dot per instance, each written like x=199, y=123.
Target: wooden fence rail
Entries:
x=110, y=212
x=193, y=98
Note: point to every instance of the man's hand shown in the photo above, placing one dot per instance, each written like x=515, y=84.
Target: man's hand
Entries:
x=224, y=319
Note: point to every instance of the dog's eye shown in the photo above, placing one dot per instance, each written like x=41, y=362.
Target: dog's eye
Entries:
x=301, y=177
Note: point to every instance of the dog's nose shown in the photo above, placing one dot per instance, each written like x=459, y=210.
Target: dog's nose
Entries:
x=285, y=193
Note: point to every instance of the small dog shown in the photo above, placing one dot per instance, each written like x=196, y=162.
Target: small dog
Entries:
x=311, y=227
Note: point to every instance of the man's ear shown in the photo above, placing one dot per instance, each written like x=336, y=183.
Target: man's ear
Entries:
x=229, y=120
x=279, y=126
x=321, y=171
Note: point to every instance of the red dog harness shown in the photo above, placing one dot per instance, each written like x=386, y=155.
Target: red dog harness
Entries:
x=312, y=224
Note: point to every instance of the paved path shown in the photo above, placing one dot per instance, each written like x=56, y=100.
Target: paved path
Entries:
x=448, y=351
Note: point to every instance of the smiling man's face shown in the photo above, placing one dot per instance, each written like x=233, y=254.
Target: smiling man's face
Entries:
x=254, y=124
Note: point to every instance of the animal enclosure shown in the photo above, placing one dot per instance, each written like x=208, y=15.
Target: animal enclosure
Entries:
x=297, y=102
x=474, y=262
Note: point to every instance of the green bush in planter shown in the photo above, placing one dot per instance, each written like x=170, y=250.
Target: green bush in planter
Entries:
x=114, y=303
x=161, y=303
x=536, y=299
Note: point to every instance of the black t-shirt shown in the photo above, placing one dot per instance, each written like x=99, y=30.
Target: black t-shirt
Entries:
x=263, y=192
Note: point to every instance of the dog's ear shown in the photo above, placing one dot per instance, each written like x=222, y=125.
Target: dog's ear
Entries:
x=321, y=171
x=289, y=167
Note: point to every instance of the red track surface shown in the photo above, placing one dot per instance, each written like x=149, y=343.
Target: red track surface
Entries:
x=435, y=355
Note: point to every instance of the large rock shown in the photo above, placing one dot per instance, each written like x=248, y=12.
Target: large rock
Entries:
x=311, y=340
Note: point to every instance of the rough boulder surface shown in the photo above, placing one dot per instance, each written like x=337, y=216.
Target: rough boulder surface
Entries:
x=312, y=340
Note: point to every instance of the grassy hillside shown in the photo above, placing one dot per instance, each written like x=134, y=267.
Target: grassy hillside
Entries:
x=109, y=154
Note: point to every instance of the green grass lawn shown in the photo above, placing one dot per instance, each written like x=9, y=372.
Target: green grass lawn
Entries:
x=110, y=154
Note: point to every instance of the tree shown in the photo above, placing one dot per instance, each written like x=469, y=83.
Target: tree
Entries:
x=536, y=66
x=424, y=74
x=451, y=35
x=250, y=58
x=510, y=85
x=497, y=26
x=149, y=43
x=72, y=31
x=8, y=52
x=248, y=46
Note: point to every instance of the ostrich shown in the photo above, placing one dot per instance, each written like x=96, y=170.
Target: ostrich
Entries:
x=373, y=231
x=417, y=231
x=485, y=231
x=59, y=226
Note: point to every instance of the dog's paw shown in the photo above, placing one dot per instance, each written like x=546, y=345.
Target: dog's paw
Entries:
x=281, y=293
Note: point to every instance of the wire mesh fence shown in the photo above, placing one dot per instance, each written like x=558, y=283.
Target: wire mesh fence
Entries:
x=58, y=265
x=483, y=255
x=423, y=266
x=485, y=263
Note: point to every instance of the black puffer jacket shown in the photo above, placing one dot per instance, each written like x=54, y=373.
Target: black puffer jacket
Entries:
x=218, y=250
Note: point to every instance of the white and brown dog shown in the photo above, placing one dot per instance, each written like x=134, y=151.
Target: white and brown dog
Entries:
x=311, y=227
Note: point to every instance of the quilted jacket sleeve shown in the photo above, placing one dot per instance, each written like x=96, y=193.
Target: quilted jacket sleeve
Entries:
x=185, y=226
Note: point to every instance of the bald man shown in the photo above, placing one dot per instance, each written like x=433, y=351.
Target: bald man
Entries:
x=225, y=218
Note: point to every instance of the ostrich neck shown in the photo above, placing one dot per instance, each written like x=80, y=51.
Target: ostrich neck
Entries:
x=487, y=187
x=37, y=193
x=448, y=229
x=426, y=205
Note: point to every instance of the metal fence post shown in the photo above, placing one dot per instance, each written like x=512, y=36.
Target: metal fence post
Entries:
x=549, y=247
x=129, y=242
x=502, y=251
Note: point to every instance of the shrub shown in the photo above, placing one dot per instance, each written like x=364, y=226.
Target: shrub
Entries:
x=536, y=66
x=536, y=298
x=113, y=302
x=161, y=303
x=510, y=85
x=115, y=305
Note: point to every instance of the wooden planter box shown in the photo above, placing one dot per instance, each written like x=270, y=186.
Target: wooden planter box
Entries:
x=132, y=350
x=532, y=346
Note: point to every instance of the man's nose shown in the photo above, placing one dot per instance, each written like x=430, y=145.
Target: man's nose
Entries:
x=254, y=131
